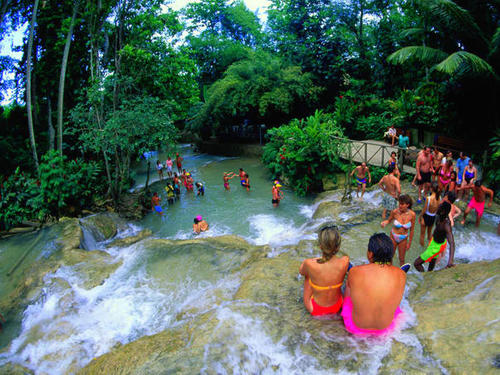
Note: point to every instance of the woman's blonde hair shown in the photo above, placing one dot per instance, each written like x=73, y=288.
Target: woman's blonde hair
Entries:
x=329, y=242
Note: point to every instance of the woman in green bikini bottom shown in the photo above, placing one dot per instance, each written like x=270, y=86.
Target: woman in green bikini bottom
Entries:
x=441, y=237
x=324, y=276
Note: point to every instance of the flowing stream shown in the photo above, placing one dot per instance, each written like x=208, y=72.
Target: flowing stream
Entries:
x=220, y=306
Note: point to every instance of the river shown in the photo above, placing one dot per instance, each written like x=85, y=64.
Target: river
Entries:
x=215, y=304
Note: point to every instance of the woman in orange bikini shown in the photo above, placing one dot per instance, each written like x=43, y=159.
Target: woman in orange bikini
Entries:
x=325, y=275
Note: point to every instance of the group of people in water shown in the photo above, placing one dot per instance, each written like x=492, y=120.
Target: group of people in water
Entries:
x=174, y=181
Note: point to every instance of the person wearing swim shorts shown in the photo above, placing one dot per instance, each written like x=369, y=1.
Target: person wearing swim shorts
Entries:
x=437, y=157
x=155, y=204
x=479, y=193
x=424, y=172
x=324, y=276
x=199, y=225
x=392, y=188
x=428, y=213
x=442, y=236
x=404, y=226
x=226, y=177
x=361, y=172
x=277, y=194
x=469, y=177
x=169, y=163
x=374, y=291
x=178, y=162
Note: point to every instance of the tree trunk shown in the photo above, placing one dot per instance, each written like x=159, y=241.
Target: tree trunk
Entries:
x=28, y=87
x=64, y=64
x=52, y=132
x=147, y=176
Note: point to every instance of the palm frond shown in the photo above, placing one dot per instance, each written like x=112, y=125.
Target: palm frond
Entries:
x=450, y=14
x=464, y=62
x=426, y=55
x=414, y=31
x=495, y=42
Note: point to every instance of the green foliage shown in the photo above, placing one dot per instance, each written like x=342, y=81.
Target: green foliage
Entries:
x=20, y=200
x=304, y=151
x=64, y=182
x=492, y=167
x=262, y=88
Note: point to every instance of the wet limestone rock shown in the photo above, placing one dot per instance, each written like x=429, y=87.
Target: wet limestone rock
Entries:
x=103, y=226
x=457, y=311
x=14, y=369
x=127, y=241
x=71, y=234
x=96, y=266
x=328, y=209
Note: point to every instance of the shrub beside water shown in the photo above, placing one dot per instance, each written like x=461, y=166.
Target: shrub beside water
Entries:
x=304, y=152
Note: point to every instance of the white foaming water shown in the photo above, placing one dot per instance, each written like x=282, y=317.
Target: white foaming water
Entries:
x=68, y=326
x=275, y=231
x=477, y=245
x=260, y=353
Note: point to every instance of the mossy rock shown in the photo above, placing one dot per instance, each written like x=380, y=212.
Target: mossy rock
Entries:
x=127, y=241
x=103, y=226
x=71, y=234
x=457, y=311
x=14, y=369
x=328, y=209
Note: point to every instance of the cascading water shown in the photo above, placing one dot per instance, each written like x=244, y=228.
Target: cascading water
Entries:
x=219, y=304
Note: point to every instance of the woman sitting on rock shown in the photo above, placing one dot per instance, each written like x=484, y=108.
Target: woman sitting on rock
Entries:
x=325, y=275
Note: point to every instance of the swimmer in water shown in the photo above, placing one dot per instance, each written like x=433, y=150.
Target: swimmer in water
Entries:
x=246, y=182
x=189, y=182
x=199, y=225
x=324, y=276
x=361, y=172
x=442, y=236
x=277, y=194
x=374, y=291
x=226, y=177
x=404, y=226
x=155, y=204
x=200, y=188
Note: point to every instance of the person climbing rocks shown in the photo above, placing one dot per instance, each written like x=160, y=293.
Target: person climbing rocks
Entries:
x=361, y=171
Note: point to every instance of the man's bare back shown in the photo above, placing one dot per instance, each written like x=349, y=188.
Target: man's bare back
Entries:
x=390, y=184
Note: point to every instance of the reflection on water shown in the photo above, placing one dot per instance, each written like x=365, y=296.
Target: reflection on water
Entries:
x=239, y=302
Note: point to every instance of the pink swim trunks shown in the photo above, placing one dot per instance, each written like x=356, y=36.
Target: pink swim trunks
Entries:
x=351, y=327
x=478, y=206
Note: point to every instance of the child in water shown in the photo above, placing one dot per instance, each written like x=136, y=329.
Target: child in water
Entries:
x=199, y=225
x=246, y=182
x=155, y=203
x=201, y=188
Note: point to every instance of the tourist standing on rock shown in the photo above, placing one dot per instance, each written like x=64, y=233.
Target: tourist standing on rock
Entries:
x=477, y=202
x=462, y=162
x=442, y=235
x=226, y=177
x=159, y=168
x=437, y=158
x=404, y=226
x=199, y=225
x=428, y=213
x=424, y=172
x=374, y=291
x=324, y=276
x=391, y=187
x=178, y=162
x=277, y=194
x=469, y=177
x=361, y=171
x=444, y=173
x=155, y=203
x=394, y=162
x=168, y=164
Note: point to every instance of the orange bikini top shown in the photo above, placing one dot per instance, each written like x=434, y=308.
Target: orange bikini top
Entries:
x=317, y=287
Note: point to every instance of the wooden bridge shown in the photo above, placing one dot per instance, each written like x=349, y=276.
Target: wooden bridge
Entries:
x=377, y=153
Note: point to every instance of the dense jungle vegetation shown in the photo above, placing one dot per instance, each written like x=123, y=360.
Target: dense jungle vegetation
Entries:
x=99, y=82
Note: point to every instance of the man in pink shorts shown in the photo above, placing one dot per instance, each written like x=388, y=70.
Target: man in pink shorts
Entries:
x=478, y=199
x=374, y=291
